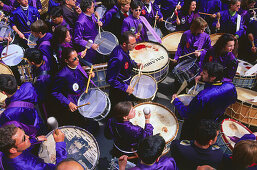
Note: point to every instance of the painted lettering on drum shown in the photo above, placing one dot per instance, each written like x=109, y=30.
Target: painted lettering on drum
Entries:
x=153, y=61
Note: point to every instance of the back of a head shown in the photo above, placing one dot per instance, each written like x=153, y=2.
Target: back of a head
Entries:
x=206, y=131
x=198, y=23
x=39, y=26
x=34, y=55
x=135, y=4
x=245, y=153
x=151, y=148
x=85, y=4
x=59, y=35
x=125, y=37
x=56, y=12
x=8, y=83
x=69, y=164
x=6, y=141
x=123, y=2
x=122, y=109
x=214, y=70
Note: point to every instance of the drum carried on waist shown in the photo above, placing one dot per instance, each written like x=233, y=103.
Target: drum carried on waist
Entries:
x=80, y=145
x=154, y=58
x=162, y=119
x=230, y=131
x=145, y=89
x=240, y=79
x=245, y=108
x=171, y=41
x=107, y=41
x=13, y=56
x=215, y=37
x=99, y=104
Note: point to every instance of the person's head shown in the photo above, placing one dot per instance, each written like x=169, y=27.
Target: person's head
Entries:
x=198, y=25
x=13, y=140
x=71, y=3
x=226, y=43
x=128, y=41
x=124, y=111
x=68, y=164
x=207, y=132
x=124, y=5
x=248, y=4
x=245, y=153
x=56, y=15
x=235, y=5
x=70, y=57
x=136, y=8
x=34, y=56
x=212, y=72
x=189, y=7
x=87, y=6
x=8, y=84
x=108, y=3
x=151, y=148
x=39, y=28
x=23, y=3
x=61, y=34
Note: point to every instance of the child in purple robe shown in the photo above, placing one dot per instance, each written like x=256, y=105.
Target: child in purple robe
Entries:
x=126, y=136
x=149, y=12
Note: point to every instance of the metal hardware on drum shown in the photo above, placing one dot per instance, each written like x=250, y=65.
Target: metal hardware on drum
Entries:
x=25, y=73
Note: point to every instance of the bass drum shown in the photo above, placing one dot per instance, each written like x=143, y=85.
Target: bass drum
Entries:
x=4, y=69
x=171, y=41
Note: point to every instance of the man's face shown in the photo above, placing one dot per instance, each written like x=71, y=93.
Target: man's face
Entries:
x=236, y=6
x=91, y=10
x=57, y=20
x=22, y=141
x=23, y=2
x=204, y=76
x=71, y=2
x=132, y=43
x=125, y=8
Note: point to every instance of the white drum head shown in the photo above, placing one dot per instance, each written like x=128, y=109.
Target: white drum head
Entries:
x=14, y=55
x=107, y=42
x=243, y=67
x=171, y=41
x=151, y=37
x=246, y=95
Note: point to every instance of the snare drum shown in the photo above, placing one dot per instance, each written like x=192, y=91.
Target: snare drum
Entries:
x=169, y=24
x=215, y=37
x=80, y=145
x=32, y=41
x=99, y=106
x=241, y=80
x=107, y=42
x=151, y=37
x=163, y=120
x=186, y=70
x=14, y=55
x=230, y=128
x=5, y=30
x=154, y=57
x=145, y=89
x=171, y=41
x=244, y=110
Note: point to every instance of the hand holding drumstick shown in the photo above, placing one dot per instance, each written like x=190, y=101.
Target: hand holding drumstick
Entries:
x=251, y=38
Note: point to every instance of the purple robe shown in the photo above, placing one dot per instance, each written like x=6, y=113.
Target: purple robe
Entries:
x=190, y=42
x=35, y=3
x=164, y=163
x=209, y=6
x=64, y=23
x=167, y=7
x=252, y=28
x=149, y=13
x=21, y=18
x=227, y=60
x=131, y=24
x=8, y=6
x=246, y=15
x=126, y=135
x=52, y=4
x=186, y=21
x=28, y=116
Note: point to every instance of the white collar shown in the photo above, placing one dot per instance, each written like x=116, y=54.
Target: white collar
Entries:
x=71, y=67
x=24, y=8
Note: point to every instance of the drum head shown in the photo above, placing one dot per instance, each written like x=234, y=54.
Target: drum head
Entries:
x=215, y=37
x=246, y=95
x=14, y=55
x=186, y=98
x=145, y=88
x=151, y=37
x=5, y=30
x=171, y=41
x=243, y=67
x=107, y=42
x=169, y=24
x=152, y=55
x=4, y=70
x=80, y=145
x=99, y=102
x=32, y=41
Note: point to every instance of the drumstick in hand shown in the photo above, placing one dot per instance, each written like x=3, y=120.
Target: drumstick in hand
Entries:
x=251, y=38
x=7, y=44
x=190, y=53
x=218, y=17
x=195, y=87
x=205, y=13
x=88, y=103
x=8, y=55
x=29, y=40
x=139, y=75
x=155, y=20
x=98, y=19
x=182, y=87
x=90, y=74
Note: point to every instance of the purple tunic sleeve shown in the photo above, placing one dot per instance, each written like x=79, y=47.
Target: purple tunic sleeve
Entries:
x=61, y=152
x=108, y=15
x=57, y=93
x=78, y=38
x=125, y=26
x=181, y=46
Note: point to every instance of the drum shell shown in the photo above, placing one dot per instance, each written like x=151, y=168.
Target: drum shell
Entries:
x=4, y=69
x=245, y=81
x=171, y=43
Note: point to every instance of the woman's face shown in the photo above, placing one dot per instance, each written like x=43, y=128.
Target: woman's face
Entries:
x=201, y=30
x=229, y=46
x=192, y=6
x=73, y=60
x=68, y=37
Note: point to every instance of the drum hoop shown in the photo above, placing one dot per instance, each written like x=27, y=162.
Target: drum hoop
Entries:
x=166, y=36
x=246, y=77
x=152, y=103
x=98, y=35
x=6, y=67
x=88, y=133
x=154, y=81
x=151, y=72
x=223, y=135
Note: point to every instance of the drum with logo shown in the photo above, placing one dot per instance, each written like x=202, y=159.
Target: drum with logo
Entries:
x=99, y=104
x=154, y=58
x=171, y=41
x=80, y=145
x=107, y=41
x=163, y=120
x=215, y=37
x=145, y=89
x=245, y=108
x=230, y=130
x=240, y=79
x=13, y=56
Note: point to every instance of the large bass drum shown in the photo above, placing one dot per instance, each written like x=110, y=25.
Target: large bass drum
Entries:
x=171, y=41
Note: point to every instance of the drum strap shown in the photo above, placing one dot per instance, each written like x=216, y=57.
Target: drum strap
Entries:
x=85, y=74
x=238, y=22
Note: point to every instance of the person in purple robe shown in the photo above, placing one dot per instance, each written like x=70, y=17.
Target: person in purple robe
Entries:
x=209, y=103
x=14, y=144
x=56, y=15
x=223, y=52
x=20, y=103
x=194, y=40
x=125, y=135
x=149, y=12
x=21, y=19
x=39, y=30
x=35, y=3
x=230, y=21
x=150, y=155
x=252, y=43
x=132, y=23
x=245, y=11
x=86, y=29
x=52, y=4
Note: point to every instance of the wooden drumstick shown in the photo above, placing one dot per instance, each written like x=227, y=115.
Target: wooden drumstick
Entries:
x=155, y=20
x=90, y=74
x=139, y=76
x=195, y=87
x=98, y=19
x=218, y=17
x=29, y=40
x=167, y=22
x=251, y=38
x=182, y=87
x=205, y=13
x=8, y=42
x=132, y=157
x=88, y=103
x=172, y=59
x=8, y=55
x=190, y=53
x=83, y=53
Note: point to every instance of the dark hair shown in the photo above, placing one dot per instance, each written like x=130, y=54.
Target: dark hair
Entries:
x=151, y=148
x=135, y=4
x=124, y=38
x=108, y=3
x=66, y=52
x=222, y=42
x=85, y=4
x=56, y=12
x=245, y=153
x=206, y=131
x=197, y=24
x=34, y=55
x=6, y=141
x=39, y=26
x=122, y=109
x=233, y=2
x=214, y=70
x=185, y=8
x=59, y=36
x=245, y=3
x=8, y=83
